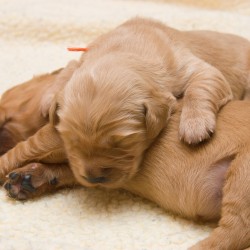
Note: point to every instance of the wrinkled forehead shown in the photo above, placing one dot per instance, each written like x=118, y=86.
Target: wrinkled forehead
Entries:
x=104, y=133
x=101, y=114
x=93, y=111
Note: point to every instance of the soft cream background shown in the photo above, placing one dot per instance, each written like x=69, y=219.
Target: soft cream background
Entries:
x=34, y=35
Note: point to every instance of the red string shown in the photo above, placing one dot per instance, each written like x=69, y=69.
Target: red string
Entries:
x=77, y=49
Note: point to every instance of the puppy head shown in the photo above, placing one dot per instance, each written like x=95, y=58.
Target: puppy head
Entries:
x=107, y=121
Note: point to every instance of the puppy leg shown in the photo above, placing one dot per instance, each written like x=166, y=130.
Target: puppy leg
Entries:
x=234, y=226
x=205, y=92
x=6, y=140
x=46, y=146
x=36, y=179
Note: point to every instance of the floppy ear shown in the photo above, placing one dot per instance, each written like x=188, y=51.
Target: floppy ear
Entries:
x=158, y=109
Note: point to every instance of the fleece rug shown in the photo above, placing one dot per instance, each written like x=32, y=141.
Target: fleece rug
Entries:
x=34, y=35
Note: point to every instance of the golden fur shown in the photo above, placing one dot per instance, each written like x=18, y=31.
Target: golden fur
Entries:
x=19, y=110
x=116, y=102
x=124, y=88
x=135, y=95
x=205, y=182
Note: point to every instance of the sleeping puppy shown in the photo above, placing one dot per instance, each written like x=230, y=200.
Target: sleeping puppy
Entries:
x=124, y=89
x=209, y=181
x=119, y=96
x=170, y=169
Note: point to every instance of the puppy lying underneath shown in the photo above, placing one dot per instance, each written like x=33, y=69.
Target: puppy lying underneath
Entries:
x=205, y=182
x=106, y=127
x=195, y=182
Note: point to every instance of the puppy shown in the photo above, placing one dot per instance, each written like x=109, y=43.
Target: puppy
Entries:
x=205, y=182
x=124, y=89
x=118, y=97
x=135, y=122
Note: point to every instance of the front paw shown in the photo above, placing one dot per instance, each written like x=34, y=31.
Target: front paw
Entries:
x=29, y=182
x=196, y=126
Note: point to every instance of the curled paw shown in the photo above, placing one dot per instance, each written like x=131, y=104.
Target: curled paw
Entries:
x=196, y=127
x=29, y=182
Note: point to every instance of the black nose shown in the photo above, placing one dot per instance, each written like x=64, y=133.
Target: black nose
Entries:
x=100, y=179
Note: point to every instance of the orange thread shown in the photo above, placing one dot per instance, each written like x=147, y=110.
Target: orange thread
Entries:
x=78, y=49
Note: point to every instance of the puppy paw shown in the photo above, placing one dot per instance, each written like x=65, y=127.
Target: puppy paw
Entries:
x=196, y=127
x=29, y=182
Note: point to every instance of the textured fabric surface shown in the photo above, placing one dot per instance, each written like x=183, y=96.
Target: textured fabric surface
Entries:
x=34, y=35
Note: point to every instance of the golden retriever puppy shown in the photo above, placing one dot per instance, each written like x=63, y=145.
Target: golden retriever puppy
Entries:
x=209, y=181
x=118, y=97
x=117, y=100
x=124, y=88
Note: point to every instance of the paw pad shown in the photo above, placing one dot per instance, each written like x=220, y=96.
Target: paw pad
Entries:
x=26, y=184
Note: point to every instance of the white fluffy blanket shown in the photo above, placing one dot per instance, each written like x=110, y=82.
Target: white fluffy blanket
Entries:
x=34, y=35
